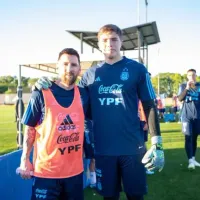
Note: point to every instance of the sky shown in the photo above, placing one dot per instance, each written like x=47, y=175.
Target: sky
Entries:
x=34, y=31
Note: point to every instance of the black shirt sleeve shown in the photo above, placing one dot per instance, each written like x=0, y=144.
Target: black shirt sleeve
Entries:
x=88, y=143
x=152, y=117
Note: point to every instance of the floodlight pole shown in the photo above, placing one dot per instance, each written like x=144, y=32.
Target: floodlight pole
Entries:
x=138, y=11
x=146, y=6
x=81, y=36
x=158, y=73
x=19, y=95
x=147, y=56
x=139, y=45
x=138, y=32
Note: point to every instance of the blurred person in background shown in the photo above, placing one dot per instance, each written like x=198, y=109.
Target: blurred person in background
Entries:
x=189, y=95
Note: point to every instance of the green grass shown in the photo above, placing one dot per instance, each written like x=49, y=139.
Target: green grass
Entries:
x=8, y=129
x=175, y=182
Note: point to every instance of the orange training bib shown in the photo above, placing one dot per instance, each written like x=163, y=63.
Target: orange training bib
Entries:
x=58, y=148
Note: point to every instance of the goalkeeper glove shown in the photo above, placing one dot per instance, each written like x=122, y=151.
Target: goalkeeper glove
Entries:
x=154, y=159
x=43, y=83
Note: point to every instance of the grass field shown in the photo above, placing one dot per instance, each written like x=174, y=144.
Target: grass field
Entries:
x=8, y=130
x=175, y=182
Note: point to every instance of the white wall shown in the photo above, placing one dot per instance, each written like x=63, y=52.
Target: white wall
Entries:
x=10, y=98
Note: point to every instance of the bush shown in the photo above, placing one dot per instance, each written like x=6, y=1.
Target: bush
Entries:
x=9, y=92
x=3, y=88
x=11, y=89
x=26, y=89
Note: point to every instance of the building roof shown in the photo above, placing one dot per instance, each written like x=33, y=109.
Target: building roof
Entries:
x=148, y=31
x=148, y=34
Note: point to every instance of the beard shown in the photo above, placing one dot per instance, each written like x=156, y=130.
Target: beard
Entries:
x=69, y=78
x=111, y=57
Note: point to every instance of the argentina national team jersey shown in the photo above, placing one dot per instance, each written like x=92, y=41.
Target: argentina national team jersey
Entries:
x=114, y=92
x=191, y=105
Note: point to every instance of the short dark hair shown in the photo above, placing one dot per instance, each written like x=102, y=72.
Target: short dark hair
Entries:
x=110, y=28
x=191, y=70
x=69, y=51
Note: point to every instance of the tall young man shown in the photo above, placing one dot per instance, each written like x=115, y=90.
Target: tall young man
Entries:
x=114, y=88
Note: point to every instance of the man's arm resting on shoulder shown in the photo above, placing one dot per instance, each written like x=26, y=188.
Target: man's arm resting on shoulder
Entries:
x=26, y=168
x=154, y=158
x=43, y=83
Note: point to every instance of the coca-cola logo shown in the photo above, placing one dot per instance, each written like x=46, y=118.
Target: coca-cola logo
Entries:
x=113, y=89
x=74, y=116
x=68, y=138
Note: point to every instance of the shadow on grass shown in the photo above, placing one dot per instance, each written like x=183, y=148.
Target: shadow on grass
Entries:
x=174, y=182
x=171, y=131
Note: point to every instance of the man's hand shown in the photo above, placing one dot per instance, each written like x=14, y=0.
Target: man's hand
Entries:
x=25, y=170
x=154, y=159
x=145, y=128
x=26, y=167
x=190, y=84
x=43, y=83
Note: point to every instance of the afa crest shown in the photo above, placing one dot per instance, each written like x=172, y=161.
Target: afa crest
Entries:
x=124, y=75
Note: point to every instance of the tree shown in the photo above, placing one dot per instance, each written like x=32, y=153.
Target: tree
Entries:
x=24, y=81
x=169, y=82
x=6, y=79
x=32, y=81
